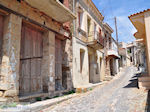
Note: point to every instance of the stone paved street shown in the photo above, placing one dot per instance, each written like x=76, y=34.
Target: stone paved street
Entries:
x=119, y=95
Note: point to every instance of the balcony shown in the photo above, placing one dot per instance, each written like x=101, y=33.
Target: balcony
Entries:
x=95, y=40
x=122, y=52
x=54, y=9
x=113, y=53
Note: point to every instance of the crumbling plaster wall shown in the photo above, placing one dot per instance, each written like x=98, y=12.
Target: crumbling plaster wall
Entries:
x=9, y=84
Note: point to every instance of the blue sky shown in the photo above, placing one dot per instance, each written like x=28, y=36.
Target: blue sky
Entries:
x=121, y=9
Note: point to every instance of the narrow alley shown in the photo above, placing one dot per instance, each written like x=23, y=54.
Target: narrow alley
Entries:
x=74, y=56
x=119, y=95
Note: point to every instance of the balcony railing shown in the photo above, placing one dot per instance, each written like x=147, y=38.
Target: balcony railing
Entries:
x=113, y=52
x=95, y=40
x=96, y=36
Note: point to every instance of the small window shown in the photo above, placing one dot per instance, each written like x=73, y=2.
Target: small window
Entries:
x=100, y=32
x=95, y=33
x=88, y=25
x=97, y=68
x=82, y=52
x=62, y=1
x=79, y=19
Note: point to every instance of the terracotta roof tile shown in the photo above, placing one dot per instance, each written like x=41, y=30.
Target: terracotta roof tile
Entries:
x=139, y=13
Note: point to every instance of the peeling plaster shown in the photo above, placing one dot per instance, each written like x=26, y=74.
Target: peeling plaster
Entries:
x=51, y=63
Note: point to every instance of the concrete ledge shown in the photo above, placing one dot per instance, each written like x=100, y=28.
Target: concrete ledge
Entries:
x=32, y=96
x=38, y=106
x=144, y=82
x=86, y=88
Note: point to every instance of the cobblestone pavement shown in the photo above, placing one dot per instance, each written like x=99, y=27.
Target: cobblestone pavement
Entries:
x=119, y=95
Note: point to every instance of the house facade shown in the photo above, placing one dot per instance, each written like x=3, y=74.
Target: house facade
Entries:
x=141, y=55
x=35, y=49
x=111, y=53
x=141, y=21
x=88, y=54
x=124, y=60
x=131, y=49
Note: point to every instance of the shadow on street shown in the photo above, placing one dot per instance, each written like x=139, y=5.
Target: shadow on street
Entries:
x=133, y=82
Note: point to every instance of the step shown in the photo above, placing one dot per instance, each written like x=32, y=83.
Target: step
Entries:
x=144, y=84
x=144, y=79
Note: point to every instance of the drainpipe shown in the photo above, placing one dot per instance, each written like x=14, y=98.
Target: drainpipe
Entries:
x=74, y=25
x=74, y=35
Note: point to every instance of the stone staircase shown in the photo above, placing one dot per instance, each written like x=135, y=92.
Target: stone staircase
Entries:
x=144, y=82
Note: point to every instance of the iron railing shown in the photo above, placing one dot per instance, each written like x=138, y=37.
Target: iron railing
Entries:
x=96, y=36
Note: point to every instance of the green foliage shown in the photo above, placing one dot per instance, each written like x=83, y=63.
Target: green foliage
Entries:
x=8, y=105
x=38, y=99
x=47, y=98
x=55, y=96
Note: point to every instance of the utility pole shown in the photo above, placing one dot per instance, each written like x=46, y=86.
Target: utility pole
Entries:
x=117, y=37
x=116, y=30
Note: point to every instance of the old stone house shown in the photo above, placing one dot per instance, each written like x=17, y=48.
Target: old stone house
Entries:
x=141, y=22
x=131, y=48
x=111, y=53
x=141, y=55
x=35, y=48
x=88, y=54
x=124, y=60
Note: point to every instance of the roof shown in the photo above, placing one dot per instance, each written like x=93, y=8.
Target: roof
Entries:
x=139, y=12
x=107, y=25
x=97, y=9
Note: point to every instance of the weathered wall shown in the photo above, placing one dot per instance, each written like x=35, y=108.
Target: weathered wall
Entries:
x=147, y=27
x=48, y=62
x=67, y=62
x=31, y=13
x=79, y=78
x=9, y=85
x=100, y=60
x=11, y=56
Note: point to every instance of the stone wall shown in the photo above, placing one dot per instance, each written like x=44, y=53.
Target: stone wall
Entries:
x=67, y=63
x=9, y=84
x=10, y=66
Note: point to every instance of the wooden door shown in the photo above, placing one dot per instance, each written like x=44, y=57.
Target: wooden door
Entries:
x=111, y=66
x=1, y=36
x=30, y=61
x=58, y=64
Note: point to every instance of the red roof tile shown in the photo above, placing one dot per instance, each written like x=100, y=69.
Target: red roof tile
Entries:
x=139, y=12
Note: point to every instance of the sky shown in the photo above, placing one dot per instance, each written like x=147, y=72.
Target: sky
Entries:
x=121, y=9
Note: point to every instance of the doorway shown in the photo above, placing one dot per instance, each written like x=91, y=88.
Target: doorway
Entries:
x=1, y=38
x=30, y=80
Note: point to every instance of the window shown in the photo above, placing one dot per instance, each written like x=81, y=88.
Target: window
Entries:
x=82, y=52
x=95, y=31
x=131, y=59
x=100, y=32
x=79, y=19
x=88, y=25
x=97, y=68
x=109, y=43
x=130, y=50
x=62, y=1
x=100, y=64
